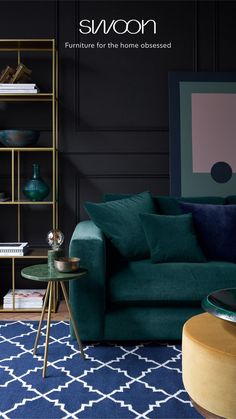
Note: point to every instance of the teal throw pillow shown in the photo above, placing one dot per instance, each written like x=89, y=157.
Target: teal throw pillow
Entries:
x=119, y=220
x=172, y=238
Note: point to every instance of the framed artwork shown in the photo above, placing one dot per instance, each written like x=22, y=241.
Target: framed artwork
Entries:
x=202, y=134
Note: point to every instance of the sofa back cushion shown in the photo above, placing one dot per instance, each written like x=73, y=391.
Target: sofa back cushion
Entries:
x=169, y=205
x=172, y=238
x=216, y=229
x=119, y=220
x=231, y=200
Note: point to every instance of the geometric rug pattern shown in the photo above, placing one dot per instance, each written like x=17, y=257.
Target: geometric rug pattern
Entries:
x=122, y=381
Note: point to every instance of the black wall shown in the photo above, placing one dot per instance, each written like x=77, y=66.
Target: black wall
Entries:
x=114, y=103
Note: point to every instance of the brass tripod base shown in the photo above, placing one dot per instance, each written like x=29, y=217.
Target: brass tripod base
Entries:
x=49, y=295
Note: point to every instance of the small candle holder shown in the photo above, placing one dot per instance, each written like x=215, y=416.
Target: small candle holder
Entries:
x=55, y=239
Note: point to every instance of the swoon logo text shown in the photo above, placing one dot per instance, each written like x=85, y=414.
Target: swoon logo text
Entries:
x=119, y=26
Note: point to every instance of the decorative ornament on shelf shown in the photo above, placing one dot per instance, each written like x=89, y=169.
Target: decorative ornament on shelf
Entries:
x=4, y=197
x=18, y=138
x=55, y=239
x=36, y=189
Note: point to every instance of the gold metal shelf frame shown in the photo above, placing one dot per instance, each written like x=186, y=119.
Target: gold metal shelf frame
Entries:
x=33, y=46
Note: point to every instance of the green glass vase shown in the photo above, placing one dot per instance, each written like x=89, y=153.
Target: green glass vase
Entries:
x=36, y=189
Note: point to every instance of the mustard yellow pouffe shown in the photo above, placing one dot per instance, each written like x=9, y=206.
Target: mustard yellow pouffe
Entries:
x=209, y=364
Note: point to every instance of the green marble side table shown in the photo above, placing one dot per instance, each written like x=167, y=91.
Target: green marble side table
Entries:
x=51, y=275
x=222, y=304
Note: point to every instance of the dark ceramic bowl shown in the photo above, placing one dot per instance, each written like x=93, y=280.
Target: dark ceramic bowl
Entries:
x=18, y=138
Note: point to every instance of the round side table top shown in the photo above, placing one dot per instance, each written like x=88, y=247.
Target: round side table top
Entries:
x=44, y=273
x=210, y=332
x=221, y=303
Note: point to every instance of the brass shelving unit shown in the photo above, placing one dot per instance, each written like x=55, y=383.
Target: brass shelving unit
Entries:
x=18, y=46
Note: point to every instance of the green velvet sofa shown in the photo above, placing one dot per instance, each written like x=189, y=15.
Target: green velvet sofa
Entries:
x=139, y=300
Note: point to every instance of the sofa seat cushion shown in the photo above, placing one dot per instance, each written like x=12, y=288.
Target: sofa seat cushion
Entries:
x=145, y=283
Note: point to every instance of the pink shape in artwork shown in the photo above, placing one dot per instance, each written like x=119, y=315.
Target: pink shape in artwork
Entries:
x=213, y=130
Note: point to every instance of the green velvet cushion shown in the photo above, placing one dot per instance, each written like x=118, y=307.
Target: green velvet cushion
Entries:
x=171, y=238
x=231, y=200
x=120, y=222
x=169, y=205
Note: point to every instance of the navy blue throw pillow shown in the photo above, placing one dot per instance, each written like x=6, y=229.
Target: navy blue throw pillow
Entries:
x=216, y=229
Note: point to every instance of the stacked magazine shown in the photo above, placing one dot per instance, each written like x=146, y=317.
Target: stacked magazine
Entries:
x=18, y=88
x=24, y=298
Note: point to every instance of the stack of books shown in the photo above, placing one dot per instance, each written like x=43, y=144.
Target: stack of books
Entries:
x=24, y=298
x=18, y=88
x=14, y=249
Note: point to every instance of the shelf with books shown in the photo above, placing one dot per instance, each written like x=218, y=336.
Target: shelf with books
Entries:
x=10, y=301
x=24, y=298
x=14, y=93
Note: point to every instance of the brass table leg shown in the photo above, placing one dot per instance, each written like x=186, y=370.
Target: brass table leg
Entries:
x=72, y=319
x=41, y=319
x=48, y=329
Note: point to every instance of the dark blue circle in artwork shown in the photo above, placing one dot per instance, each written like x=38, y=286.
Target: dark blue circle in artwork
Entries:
x=221, y=172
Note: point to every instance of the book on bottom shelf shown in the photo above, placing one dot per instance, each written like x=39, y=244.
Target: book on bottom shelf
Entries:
x=24, y=298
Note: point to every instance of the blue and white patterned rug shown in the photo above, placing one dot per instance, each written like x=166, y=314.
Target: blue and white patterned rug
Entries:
x=139, y=381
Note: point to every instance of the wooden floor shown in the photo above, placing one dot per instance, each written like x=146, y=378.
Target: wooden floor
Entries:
x=62, y=314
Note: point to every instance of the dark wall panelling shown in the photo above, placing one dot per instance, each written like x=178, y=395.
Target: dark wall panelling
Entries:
x=122, y=89
x=32, y=230
x=24, y=19
x=31, y=116
x=8, y=223
x=109, y=164
x=206, y=40
x=116, y=142
x=226, y=36
x=114, y=104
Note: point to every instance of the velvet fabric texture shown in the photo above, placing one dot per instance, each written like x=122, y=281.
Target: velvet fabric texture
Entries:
x=142, y=300
x=171, y=238
x=216, y=229
x=147, y=323
x=145, y=283
x=231, y=200
x=209, y=364
x=87, y=295
x=169, y=205
x=119, y=220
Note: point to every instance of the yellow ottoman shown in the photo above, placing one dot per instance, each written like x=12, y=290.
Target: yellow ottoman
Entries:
x=209, y=364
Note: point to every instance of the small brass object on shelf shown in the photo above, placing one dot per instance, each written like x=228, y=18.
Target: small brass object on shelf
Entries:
x=6, y=74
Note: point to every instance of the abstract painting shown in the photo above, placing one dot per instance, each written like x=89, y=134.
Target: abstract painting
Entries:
x=202, y=134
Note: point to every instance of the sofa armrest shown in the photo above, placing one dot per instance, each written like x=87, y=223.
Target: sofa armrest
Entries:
x=87, y=295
